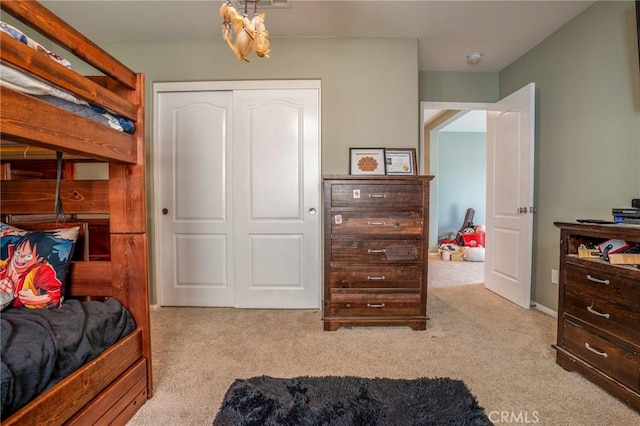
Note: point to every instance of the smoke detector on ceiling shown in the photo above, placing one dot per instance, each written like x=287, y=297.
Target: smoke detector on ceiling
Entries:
x=474, y=57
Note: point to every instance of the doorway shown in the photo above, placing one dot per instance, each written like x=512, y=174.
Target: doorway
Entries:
x=455, y=152
x=434, y=116
x=510, y=194
x=457, y=157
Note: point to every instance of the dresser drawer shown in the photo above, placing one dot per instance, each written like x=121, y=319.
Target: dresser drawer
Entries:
x=391, y=195
x=376, y=223
x=375, y=251
x=608, y=301
x=609, y=284
x=619, y=363
x=353, y=277
x=375, y=304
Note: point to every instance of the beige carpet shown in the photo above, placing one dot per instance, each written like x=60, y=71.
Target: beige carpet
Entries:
x=502, y=352
x=450, y=274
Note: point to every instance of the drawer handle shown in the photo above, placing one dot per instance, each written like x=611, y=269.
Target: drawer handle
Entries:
x=596, y=351
x=375, y=305
x=377, y=195
x=380, y=278
x=596, y=280
x=376, y=223
x=594, y=312
x=376, y=251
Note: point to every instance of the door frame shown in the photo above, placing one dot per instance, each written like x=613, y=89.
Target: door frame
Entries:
x=433, y=155
x=433, y=162
x=188, y=86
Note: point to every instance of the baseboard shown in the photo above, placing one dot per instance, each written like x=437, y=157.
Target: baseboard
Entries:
x=154, y=307
x=546, y=310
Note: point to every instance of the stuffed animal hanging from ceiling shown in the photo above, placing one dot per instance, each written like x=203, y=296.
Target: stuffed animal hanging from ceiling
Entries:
x=244, y=35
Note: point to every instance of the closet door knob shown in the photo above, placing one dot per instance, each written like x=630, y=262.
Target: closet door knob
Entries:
x=165, y=211
x=312, y=211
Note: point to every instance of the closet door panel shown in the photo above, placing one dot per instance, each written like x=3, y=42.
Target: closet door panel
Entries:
x=195, y=234
x=276, y=198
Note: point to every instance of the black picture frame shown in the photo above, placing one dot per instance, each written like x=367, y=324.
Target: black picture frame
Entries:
x=401, y=161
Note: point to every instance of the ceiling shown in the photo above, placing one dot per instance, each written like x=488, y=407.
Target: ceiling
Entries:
x=471, y=121
x=446, y=30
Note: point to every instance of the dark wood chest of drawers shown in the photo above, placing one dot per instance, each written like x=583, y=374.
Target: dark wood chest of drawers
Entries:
x=599, y=312
x=375, y=261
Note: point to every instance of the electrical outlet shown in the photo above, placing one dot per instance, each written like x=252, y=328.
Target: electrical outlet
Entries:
x=554, y=276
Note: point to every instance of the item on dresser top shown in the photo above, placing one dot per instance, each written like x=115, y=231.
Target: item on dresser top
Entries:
x=626, y=211
x=595, y=221
x=626, y=215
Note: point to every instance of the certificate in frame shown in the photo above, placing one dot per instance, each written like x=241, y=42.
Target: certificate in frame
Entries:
x=401, y=161
x=367, y=161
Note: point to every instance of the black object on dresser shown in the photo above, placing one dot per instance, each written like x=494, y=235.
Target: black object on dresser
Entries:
x=599, y=311
x=375, y=263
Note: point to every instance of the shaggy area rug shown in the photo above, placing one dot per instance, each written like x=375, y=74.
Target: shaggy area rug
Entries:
x=349, y=401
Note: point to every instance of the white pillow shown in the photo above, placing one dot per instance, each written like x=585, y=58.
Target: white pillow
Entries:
x=474, y=254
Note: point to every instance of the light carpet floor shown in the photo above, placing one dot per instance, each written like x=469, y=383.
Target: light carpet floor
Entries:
x=502, y=352
x=452, y=273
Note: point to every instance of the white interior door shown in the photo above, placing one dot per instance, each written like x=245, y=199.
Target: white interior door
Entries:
x=277, y=203
x=193, y=213
x=510, y=159
x=237, y=172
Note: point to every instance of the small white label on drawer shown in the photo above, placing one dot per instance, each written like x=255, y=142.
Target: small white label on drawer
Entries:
x=337, y=219
x=356, y=193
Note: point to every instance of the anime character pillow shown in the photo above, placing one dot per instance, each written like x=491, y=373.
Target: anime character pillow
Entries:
x=34, y=264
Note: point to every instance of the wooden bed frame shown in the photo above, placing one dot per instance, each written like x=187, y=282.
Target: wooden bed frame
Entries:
x=111, y=388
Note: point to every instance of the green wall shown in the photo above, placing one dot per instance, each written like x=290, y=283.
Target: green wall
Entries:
x=369, y=98
x=587, y=122
x=587, y=126
x=480, y=87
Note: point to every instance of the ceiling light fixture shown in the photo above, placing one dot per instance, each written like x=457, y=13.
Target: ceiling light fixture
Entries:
x=474, y=57
x=244, y=35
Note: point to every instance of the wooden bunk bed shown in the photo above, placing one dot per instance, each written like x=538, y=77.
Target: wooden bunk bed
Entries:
x=112, y=387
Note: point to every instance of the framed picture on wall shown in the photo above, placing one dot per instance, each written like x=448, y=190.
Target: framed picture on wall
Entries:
x=367, y=161
x=401, y=161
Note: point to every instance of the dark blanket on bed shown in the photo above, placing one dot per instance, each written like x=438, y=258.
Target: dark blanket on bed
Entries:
x=42, y=346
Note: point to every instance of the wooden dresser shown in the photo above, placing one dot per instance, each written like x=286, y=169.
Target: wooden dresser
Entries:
x=375, y=262
x=599, y=312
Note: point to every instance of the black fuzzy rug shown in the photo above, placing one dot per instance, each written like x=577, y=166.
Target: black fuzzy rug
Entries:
x=345, y=401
